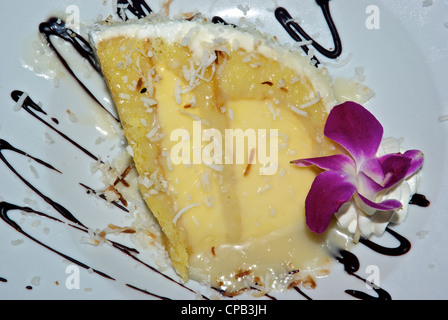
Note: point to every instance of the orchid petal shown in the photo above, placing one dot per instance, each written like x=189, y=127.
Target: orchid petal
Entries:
x=395, y=167
x=329, y=191
x=358, y=175
x=367, y=186
x=356, y=129
x=388, y=170
x=337, y=162
x=373, y=169
x=417, y=158
x=386, y=205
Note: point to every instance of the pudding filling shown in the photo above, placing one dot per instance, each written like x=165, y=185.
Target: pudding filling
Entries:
x=213, y=117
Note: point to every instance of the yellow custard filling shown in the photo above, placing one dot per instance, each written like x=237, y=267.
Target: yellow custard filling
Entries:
x=212, y=125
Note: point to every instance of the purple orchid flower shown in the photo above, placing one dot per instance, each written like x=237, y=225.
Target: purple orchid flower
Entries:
x=360, y=174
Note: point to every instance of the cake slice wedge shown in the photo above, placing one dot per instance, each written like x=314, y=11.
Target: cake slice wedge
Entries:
x=213, y=115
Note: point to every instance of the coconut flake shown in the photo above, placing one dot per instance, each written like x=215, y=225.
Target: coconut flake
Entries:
x=312, y=102
x=195, y=117
x=124, y=96
x=183, y=210
x=298, y=111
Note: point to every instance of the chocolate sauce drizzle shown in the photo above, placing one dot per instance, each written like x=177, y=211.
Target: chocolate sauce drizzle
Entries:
x=351, y=265
x=351, y=262
x=57, y=27
x=419, y=200
x=136, y=7
x=218, y=19
x=6, y=207
x=403, y=247
x=298, y=34
x=303, y=294
x=4, y=145
x=102, y=196
x=30, y=106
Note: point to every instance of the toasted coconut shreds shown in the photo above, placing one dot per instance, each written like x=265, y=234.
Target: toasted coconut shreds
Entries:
x=308, y=283
x=233, y=293
x=112, y=195
x=121, y=229
x=97, y=237
x=251, y=160
x=242, y=273
x=122, y=177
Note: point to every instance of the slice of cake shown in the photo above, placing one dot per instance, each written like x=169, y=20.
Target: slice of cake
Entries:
x=213, y=116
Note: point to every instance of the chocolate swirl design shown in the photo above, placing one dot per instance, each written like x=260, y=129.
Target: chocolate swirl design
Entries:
x=136, y=7
x=32, y=108
x=218, y=19
x=6, y=208
x=403, y=247
x=57, y=27
x=4, y=145
x=73, y=222
x=299, y=34
x=351, y=265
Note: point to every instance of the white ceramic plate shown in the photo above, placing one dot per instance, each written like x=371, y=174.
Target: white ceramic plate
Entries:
x=405, y=58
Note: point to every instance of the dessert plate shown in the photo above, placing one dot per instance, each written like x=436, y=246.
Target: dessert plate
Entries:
x=50, y=148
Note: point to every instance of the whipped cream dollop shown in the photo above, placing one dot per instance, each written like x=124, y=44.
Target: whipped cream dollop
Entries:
x=354, y=217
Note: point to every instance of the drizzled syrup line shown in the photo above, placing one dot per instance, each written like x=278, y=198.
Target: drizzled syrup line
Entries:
x=303, y=294
x=6, y=207
x=57, y=27
x=382, y=294
x=147, y=292
x=217, y=19
x=419, y=200
x=402, y=248
x=4, y=145
x=136, y=7
x=297, y=32
x=102, y=196
x=131, y=255
x=29, y=105
x=351, y=265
